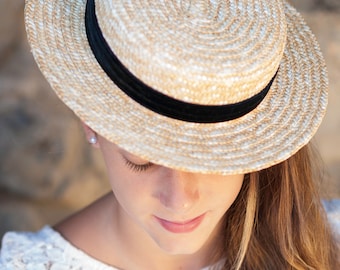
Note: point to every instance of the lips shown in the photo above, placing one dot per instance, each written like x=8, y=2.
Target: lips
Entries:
x=181, y=227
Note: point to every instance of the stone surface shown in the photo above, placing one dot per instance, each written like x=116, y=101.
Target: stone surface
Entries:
x=332, y=4
x=47, y=169
x=328, y=136
x=311, y=5
x=10, y=26
x=304, y=5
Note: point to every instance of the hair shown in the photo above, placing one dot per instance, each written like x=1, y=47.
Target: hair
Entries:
x=278, y=222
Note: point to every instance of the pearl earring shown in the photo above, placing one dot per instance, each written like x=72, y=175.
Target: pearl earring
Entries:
x=93, y=139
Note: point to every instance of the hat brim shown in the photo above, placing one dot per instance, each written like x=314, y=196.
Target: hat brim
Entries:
x=284, y=121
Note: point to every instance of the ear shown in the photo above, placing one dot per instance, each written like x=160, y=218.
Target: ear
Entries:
x=91, y=135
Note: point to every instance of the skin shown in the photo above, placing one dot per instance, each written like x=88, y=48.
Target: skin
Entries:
x=125, y=228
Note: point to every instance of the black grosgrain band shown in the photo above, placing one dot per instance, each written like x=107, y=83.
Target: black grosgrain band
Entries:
x=153, y=99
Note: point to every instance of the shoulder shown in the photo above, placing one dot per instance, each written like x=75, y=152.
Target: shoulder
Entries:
x=332, y=208
x=45, y=249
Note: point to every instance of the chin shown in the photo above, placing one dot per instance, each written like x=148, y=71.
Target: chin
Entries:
x=177, y=250
x=180, y=245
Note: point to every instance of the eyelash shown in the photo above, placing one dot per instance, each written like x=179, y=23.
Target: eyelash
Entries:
x=137, y=167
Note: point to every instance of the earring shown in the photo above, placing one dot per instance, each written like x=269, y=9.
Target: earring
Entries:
x=93, y=139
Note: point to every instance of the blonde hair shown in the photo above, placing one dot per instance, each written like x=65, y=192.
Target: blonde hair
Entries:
x=278, y=222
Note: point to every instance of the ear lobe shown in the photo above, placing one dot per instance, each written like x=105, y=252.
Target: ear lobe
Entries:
x=91, y=135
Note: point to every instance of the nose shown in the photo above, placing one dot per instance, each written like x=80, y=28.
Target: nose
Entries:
x=179, y=191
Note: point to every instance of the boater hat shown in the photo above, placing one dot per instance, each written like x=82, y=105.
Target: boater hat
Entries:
x=203, y=86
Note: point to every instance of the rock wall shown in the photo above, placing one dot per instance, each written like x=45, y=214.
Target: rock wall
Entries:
x=47, y=169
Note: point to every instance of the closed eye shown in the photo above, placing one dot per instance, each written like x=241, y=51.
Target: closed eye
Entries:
x=137, y=167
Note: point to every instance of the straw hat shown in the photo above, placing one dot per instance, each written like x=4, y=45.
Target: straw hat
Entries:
x=203, y=86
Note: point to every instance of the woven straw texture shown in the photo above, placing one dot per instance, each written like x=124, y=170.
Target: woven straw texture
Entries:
x=202, y=52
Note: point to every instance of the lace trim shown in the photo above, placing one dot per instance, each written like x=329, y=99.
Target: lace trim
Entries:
x=46, y=249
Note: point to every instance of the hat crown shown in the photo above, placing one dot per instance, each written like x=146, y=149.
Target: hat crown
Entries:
x=203, y=52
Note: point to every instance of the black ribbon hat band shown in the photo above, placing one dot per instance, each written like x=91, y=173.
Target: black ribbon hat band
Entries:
x=149, y=97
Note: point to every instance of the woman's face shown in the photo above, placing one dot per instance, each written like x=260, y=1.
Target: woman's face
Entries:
x=180, y=211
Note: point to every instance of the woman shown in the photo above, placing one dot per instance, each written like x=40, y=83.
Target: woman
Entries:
x=203, y=112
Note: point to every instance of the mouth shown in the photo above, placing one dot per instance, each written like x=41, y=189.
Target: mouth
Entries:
x=181, y=226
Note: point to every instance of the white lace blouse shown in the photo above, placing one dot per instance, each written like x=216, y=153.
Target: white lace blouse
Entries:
x=43, y=250
x=47, y=249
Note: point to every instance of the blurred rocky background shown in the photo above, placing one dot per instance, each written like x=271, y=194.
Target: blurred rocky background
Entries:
x=48, y=170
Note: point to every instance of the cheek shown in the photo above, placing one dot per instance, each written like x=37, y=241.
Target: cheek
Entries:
x=125, y=187
x=121, y=179
x=224, y=192
x=131, y=190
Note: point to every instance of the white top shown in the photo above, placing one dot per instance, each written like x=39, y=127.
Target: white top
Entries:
x=333, y=213
x=47, y=249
